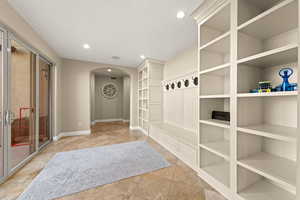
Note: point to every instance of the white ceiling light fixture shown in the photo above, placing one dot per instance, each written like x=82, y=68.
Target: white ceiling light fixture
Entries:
x=143, y=57
x=180, y=14
x=109, y=70
x=115, y=57
x=86, y=46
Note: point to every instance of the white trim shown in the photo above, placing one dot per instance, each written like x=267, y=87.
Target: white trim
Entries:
x=71, y=133
x=139, y=129
x=144, y=131
x=134, y=128
x=125, y=120
x=106, y=120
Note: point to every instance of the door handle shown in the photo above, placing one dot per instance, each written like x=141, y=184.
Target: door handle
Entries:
x=6, y=118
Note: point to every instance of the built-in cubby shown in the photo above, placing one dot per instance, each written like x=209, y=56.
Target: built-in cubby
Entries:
x=268, y=157
x=215, y=58
x=207, y=106
x=215, y=83
x=215, y=139
x=150, y=93
x=250, y=75
x=253, y=186
x=263, y=34
x=216, y=27
x=215, y=166
x=264, y=112
x=248, y=10
x=254, y=156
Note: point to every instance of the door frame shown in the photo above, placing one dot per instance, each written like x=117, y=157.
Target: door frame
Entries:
x=49, y=101
x=6, y=135
x=4, y=80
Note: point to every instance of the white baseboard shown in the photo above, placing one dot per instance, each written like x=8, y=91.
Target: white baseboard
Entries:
x=134, y=128
x=72, y=133
x=139, y=129
x=108, y=120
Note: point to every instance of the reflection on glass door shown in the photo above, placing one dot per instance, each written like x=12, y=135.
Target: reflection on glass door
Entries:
x=1, y=108
x=21, y=103
x=44, y=102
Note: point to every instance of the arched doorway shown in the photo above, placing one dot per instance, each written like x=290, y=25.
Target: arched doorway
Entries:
x=110, y=95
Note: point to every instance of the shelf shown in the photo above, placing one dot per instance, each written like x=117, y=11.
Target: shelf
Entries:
x=144, y=120
x=220, y=45
x=221, y=148
x=285, y=13
x=275, y=168
x=264, y=190
x=220, y=172
x=268, y=94
x=283, y=133
x=143, y=109
x=216, y=70
x=218, y=123
x=221, y=96
x=143, y=89
x=275, y=57
x=220, y=20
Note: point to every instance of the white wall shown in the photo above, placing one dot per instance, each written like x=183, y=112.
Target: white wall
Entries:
x=183, y=63
x=92, y=99
x=76, y=104
x=180, y=107
x=126, y=98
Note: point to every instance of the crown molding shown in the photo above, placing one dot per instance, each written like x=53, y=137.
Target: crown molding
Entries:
x=207, y=8
x=150, y=60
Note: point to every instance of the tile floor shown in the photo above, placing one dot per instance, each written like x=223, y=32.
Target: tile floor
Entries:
x=177, y=182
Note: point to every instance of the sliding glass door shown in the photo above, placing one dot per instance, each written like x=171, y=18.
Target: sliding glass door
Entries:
x=25, y=103
x=22, y=103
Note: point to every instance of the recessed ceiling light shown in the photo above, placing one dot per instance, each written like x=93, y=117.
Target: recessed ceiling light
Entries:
x=109, y=70
x=180, y=14
x=86, y=46
x=115, y=57
x=143, y=57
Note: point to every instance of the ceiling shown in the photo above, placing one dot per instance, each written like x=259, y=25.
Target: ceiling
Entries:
x=124, y=28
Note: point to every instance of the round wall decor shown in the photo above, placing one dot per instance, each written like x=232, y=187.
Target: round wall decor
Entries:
x=110, y=90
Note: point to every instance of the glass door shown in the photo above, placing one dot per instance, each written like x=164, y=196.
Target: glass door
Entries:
x=21, y=103
x=44, y=101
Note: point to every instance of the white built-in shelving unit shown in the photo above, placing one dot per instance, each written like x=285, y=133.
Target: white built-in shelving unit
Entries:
x=242, y=42
x=150, y=75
